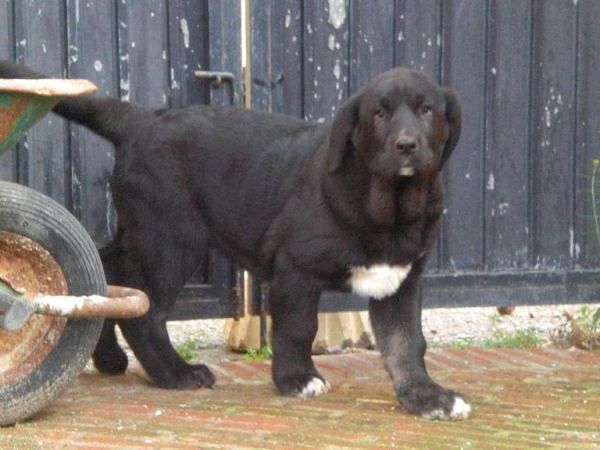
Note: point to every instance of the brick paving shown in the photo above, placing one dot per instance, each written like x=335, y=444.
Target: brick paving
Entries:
x=521, y=399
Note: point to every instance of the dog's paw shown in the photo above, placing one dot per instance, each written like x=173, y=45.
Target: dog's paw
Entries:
x=433, y=402
x=190, y=377
x=110, y=361
x=460, y=410
x=303, y=386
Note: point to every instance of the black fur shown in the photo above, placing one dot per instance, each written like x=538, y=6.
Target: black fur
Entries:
x=295, y=203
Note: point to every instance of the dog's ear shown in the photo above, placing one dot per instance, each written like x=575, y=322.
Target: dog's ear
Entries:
x=454, y=119
x=340, y=139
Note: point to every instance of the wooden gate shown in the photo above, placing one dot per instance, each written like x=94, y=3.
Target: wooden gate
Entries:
x=519, y=226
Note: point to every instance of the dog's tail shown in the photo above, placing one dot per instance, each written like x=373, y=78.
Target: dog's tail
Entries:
x=109, y=117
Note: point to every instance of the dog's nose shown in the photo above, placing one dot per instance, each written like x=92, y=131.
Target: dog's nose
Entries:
x=406, y=144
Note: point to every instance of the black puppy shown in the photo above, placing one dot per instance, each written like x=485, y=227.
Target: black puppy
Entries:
x=351, y=206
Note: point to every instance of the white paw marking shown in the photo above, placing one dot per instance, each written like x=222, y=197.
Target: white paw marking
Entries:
x=377, y=281
x=314, y=388
x=460, y=411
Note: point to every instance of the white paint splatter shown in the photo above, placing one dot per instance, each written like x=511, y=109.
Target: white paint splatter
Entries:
x=337, y=13
x=337, y=71
x=186, y=33
x=331, y=42
x=491, y=184
x=574, y=246
x=288, y=19
x=98, y=66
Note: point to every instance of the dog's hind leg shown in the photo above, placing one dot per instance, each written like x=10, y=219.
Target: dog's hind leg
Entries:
x=108, y=356
x=149, y=340
x=293, y=305
x=166, y=263
x=396, y=323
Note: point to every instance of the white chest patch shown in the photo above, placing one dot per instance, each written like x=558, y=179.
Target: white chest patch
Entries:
x=378, y=281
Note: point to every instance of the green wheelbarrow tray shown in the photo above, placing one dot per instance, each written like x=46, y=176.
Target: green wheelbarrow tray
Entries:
x=24, y=102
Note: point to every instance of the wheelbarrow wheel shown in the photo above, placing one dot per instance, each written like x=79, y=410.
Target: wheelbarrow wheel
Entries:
x=43, y=249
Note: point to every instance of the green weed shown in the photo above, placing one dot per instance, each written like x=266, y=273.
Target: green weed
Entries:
x=188, y=350
x=264, y=354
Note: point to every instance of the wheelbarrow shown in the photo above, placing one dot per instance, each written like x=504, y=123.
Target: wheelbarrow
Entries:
x=53, y=293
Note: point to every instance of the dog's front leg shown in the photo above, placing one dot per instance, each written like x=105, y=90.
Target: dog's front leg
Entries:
x=396, y=321
x=293, y=305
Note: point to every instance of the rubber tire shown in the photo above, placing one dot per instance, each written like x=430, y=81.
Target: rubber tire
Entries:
x=33, y=215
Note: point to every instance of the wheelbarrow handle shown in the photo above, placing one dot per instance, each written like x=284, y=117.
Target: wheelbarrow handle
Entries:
x=120, y=303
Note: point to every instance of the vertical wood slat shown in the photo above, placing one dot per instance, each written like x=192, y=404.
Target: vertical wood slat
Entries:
x=91, y=41
x=143, y=52
x=371, y=32
x=326, y=58
x=8, y=160
x=554, y=63
x=507, y=205
x=39, y=41
x=464, y=70
x=418, y=35
x=225, y=49
x=189, y=51
x=586, y=246
x=277, y=56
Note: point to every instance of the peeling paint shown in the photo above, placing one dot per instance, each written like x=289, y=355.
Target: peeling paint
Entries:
x=186, y=33
x=337, y=13
x=574, y=247
x=337, y=71
x=331, y=42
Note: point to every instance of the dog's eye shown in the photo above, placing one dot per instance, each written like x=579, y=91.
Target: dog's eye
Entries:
x=380, y=113
x=425, y=110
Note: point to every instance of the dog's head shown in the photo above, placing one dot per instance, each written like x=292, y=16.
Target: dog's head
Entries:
x=401, y=125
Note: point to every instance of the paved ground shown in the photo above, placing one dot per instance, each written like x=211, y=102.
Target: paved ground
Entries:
x=522, y=399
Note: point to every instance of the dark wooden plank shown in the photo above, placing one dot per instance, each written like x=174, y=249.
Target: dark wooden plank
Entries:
x=372, y=32
x=225, y=53
x=143, y=48
x=92, y=32
x=463, y=42
x=586, y=246
x=508, y=83
x=188, y=51
x=8, y=161
x=418, y=36
x=554, y=70
x=276, y=56
x=39, y=37
x=326, y=52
